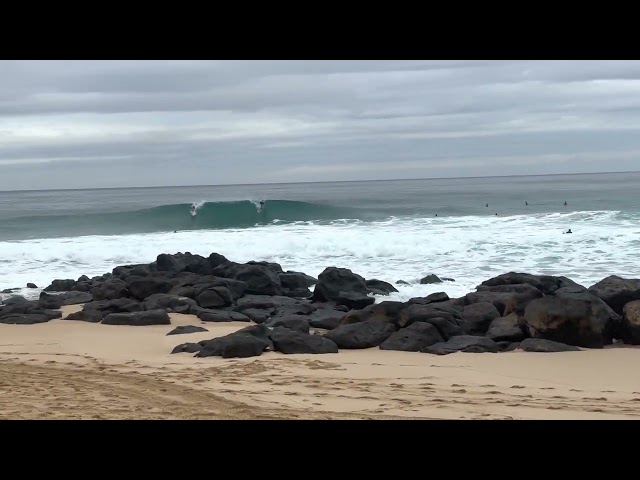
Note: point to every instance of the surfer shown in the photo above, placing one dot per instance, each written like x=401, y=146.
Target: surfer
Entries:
x=568, y=231
x=193, y=209
x=565, y=204
x=261, y=206
x=526, y=203
x=487, y=205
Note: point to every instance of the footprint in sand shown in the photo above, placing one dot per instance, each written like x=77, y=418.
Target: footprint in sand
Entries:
x=518, y=386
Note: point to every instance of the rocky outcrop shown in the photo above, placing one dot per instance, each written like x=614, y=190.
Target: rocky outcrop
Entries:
x=59, y=285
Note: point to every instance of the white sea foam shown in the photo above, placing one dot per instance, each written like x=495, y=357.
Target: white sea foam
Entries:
x=469, y=249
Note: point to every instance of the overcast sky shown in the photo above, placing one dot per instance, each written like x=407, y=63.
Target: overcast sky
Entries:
x=82, y=124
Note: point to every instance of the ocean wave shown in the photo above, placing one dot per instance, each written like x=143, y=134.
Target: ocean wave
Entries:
x=201, y=215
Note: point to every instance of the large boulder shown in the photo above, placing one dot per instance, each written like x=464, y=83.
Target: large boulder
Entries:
x=379, y=287
x=432, y=298
x=617, y=291
x=290, y=341
x=184, y=262
x=143, y=287
x=325, y=318
x=67, y=298
x=241, y=344
x=59, y=285
x=429, y=279
x=214, y=297
x=354, y=301
x=501, y=299
x=171, y=303
x=335, y=282
x=577, y=319
x=260, y=279
x=138, y=319
x=477, y=317
x=186, y=329
x=124, y=271
x=463, y=343
x=542, y=345
x=442, y=319
x=187, y=348
x=413, y=338
x=97, y=310
x=508, y=328
x=24, y=318
x=292, y=322
x=221, y=316
x=367, y=334
x=388, y=311
x=296, y=280
x=547, y=284
x=110, y=289
x=631, y=322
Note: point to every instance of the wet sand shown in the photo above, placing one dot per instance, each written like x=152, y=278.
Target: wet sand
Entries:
x=71, y=369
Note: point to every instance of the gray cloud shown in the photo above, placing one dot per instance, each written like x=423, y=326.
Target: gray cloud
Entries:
x=74, y=124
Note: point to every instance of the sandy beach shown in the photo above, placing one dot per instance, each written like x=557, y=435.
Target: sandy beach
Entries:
x=76, y=370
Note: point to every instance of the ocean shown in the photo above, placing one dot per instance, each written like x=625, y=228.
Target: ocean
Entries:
x=390, y=230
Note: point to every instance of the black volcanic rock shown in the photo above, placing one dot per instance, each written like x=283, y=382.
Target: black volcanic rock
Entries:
x=59, y=285
x=478, y=317
x=292, y=322
x=186, y=329
x=617, y=291
x=506, y=328
x=432, y=278
x=336, y=282
x=547, y=346
x=379, y=287
x=414, y=338
x=143, y=287
x=290, y=341
x=367, y=334
x=148, y=317
x=580, y=319
x=221, y=316
x=463, y=343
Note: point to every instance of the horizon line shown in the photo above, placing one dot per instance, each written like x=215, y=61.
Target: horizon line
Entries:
x=319, y=182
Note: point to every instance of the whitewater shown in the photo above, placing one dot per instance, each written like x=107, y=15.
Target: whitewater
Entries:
x=465, y=229
x=468, y=249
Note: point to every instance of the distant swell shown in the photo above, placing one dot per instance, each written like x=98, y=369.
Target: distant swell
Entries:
x=208, y=216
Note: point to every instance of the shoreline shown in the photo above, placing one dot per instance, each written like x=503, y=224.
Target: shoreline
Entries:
x=271, y=348
x=68, y=369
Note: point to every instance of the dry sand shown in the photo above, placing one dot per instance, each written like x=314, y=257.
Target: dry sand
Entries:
x=69, y=369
